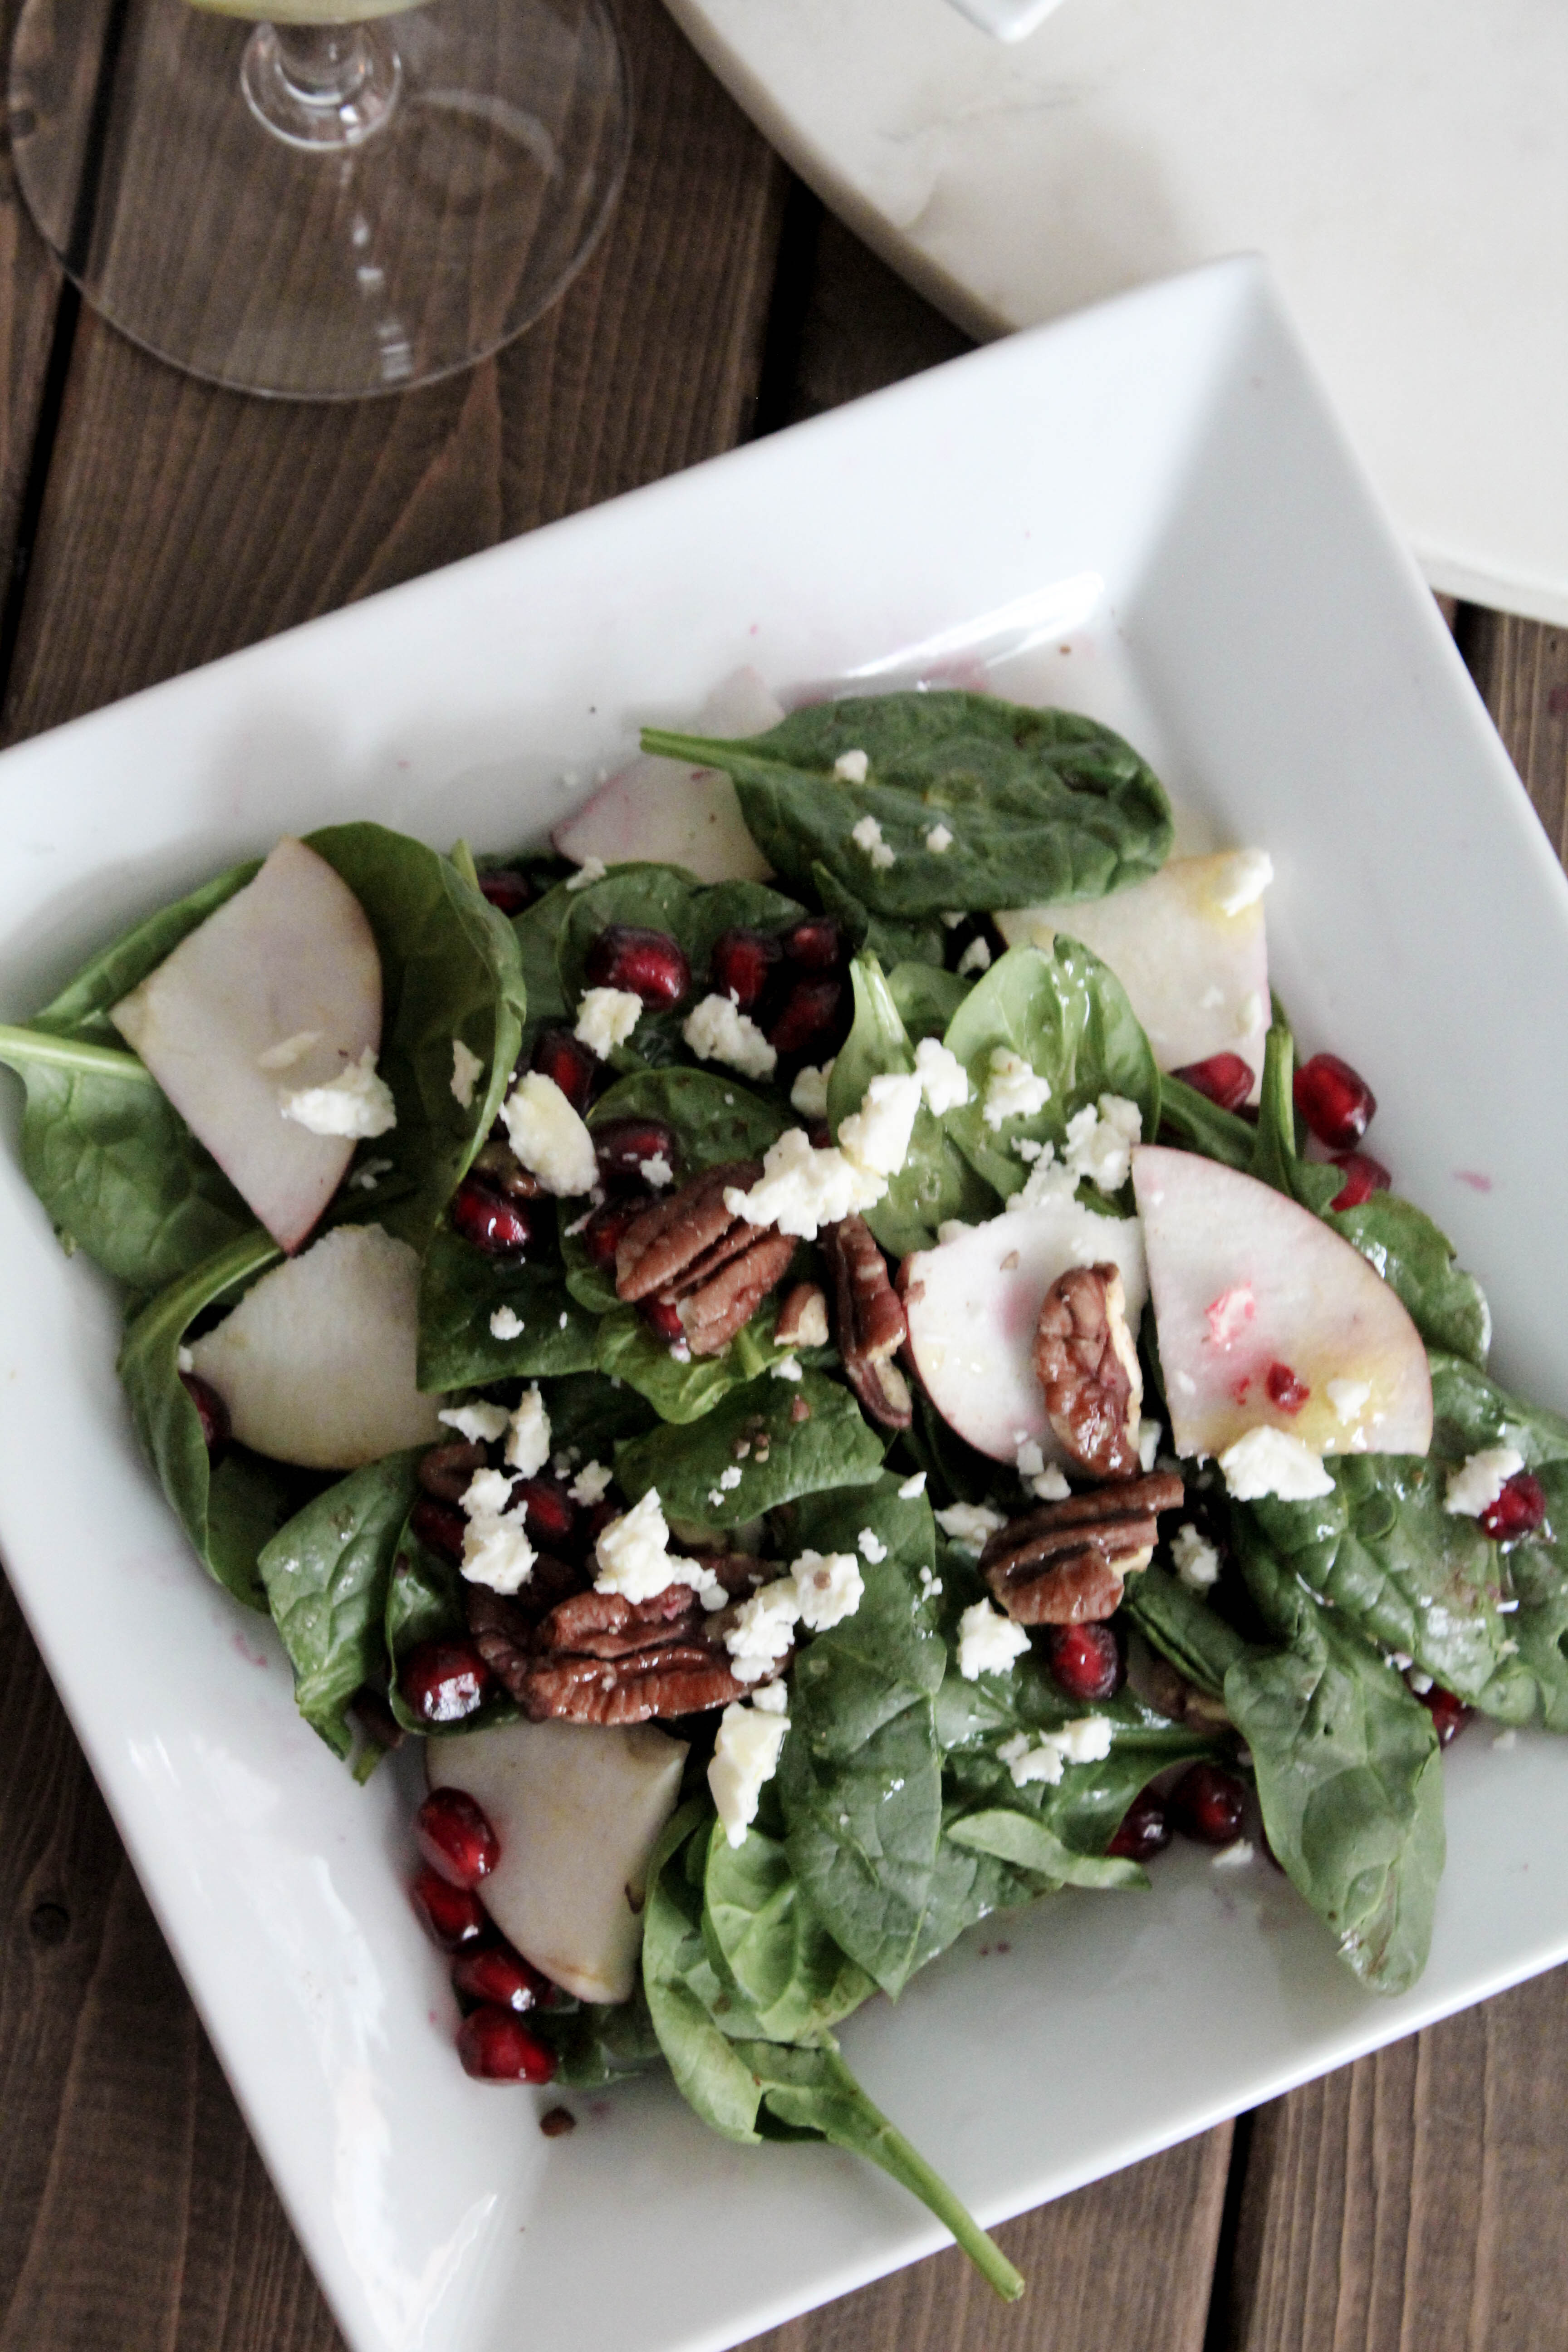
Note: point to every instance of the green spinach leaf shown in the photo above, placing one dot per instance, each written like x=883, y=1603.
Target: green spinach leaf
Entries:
x=685, y=1388
x=461, y=1289
x=764, y=1938
x=326, y=1576
x=757, y=1432
x=926, y=997
x=1182, y=1628
x=82, y=1008
x=922, y=940
x=1199, y=1125
x=936, y=1181
x=1276, y=1158
x=1415, y=1258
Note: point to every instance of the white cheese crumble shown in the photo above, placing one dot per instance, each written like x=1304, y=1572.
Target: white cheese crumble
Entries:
x=912, y=1487
x=1242, y=880
x=288, y=1051
x=528, y=1445
x=763, y=1630
x=852, y=767
x=943, y=1080
x=467, y=1071
x=657, y=1171
x=605, y=1019
x=1100, y=1141
x=866, y=835
x=1149, y=1436
x=829, y=1587
x=876, y=1136
x=634, y=1560
x=1272, y=1462
x=952, y=1229
x=1347, y=1397
x=771, y=1699
x=496, y=1549
x=1233, y=1856
x=549, y=1137
x=590, y=1485
x=1506, y=1739
x=1046, y=1480
x=1012, y=1090
x=592, y=870
x=356, y=1102
x=729, y=1479
x=717, y=1031
x=870, y=1546
x=968, y=1524
x=1197, y=1562
x=1084, y=1741
x=745, y=1756
x=809, y=1095
x=801, y=1189
x=787, y=1368
x=1475, y=1487
x=939, y=840
x=1047, y=1181
x=976, y=957
x=481, y=1423
x=988, y=1641
x=506, y=1324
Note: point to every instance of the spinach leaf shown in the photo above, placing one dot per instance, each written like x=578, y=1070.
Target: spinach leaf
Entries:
x=82, y=1008
x=1470, y=1412
x=1349, y=1776
x=1195, y=1637
x=1276, y=1158
x=921, y=941
x=1199, y=1125
x=425, y=1603
x=326, y=1575
x=936, y=1181
x=588, y=1415
x=1041, y=805
x=597, y=2042
x=684, y=1388
x=461, y=1289
x=1026, y=1843
x=1415, y=1258
x=537, y=933
x=926, y=997
x=1067, y=1013
x=763, y=1937
x=757, y=1432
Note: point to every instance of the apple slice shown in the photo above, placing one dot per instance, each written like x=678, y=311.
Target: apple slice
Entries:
x=1266, y=1318
x=316, y=1363
x=972, y=1305
x=279, y=991
x=1196, y=975
x=675, y=815
x=578, y=1808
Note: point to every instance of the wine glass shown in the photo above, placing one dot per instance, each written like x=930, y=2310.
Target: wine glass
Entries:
x=355, y=196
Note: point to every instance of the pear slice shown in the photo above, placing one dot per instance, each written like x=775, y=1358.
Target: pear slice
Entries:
x=578, y=1808
x=1196, y=975
x=279, y=991
x=676, y=815
x=316, y=1363
x=1246, y=1283
x=972, y=1305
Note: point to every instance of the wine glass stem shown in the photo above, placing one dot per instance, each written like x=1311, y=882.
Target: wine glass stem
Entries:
x=325, y=87
x=324, y=64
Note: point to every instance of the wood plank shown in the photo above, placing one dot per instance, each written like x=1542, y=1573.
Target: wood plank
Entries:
x=30, y=293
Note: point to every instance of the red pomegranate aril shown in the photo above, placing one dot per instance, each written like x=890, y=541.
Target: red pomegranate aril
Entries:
x=508, y=889
x=810, y=1009
x=1208, y=1804
x=818, y=944
x=1449, y=1715
x=1224, y=1078
x=495, y=1974
x=663, y=1316
x=455, y=1838
x=499, y=1226
x=443, y=1682
x=623, y=1146
x=211, y=1411
x=452, y=1916
x=439, y=1525
x=1518, y=1509
x=741, y=963
x=1286, y=1391
x=602, y=1233
x=1145, y=1830
x=494, y=2048
x=1363, y=1176
x=1335, y=1101
x=649, y=964
x=567, y=1062
x=548, y=1513
x=1085, y=1660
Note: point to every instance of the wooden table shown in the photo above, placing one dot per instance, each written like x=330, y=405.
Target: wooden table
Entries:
x=147, y=523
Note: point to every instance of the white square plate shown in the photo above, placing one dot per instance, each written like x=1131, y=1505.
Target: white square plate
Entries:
x=1145, y=513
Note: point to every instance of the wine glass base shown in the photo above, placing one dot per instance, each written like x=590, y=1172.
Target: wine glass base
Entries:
x=368, y=261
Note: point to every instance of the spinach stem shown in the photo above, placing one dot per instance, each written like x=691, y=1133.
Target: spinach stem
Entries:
x=38, y=1045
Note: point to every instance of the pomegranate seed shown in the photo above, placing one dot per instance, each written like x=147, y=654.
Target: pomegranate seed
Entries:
x=1145, y=1830
x=1224, y=1078
x=494, y=2048
x=622, y=1145
x=455, y=1838
x=211, y=1411
x=1518, y=1509
x=497, y=1974
x=1335, y=1101
x=560, y=1056
x=817, y=943
x=440, y=1526
x=1449, y=1715
x=1085, y=1660
x=598, y=1518
x=1208, y=1804
x=740, y=965
x=1285, y=1389
x=1363, y=1176
x=548, y=1513
x=602, y=1233
x=810, y=1008
x=508, y=889
x=663, y=1316
x=452, y=1916
x=442, y=1682
x=648, y=964
x=498, y=1227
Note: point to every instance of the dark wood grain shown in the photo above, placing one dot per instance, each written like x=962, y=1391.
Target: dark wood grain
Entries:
x=30, y=288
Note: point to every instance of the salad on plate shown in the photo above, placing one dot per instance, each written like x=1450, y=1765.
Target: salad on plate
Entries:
x=815, y=1346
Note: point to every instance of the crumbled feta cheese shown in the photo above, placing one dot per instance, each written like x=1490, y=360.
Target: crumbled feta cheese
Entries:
x=1242, y=880
x=717, y=1031
x=467, y=1071
x=876, y=1136
x=634, y=1560
x=866, y=835
x=852, y=767
x=809, y=1095
x=1347, y=1397
x=1506, y=1739
x=605, y=1019
x=497, y=1552
x=1149, y=1436
x=829, y=1587
x=288, y=1051
x=1233, y=1856
x=787, y=1368
x=1047, y=1181
x=1100, y=1141
x=952, y=916
x=184, y=1361
x=592, y=870
x=1419, y=1683
x=976, y=956
x=729, y=1479
x=771, y=1699
x=657, y=1171
x=1084, y=1741
x=590, y=1485
x=1272, y=1462
x=931, y=1586
x=951, y=1228
x=528, y=1445
x=1028, y=1150
x=912, y=1487
x=1012, y=1090
x=800, y=1190
x=1228, y=1315
x=968, y=1524
x=988, y=1641
x=1197, y=1562
x=367, y=1177
x=481, y=1423
x=943, y=1080
x=1475, y=1487
x=870, y=1546
x=549, y=1137
x=1043, y=1479
x=356, y=1102
x=745, y=1756
x=763, y=1630
x=939, y=840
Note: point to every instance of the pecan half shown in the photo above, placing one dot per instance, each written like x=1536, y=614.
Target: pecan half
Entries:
x=599, y=1658
x=691, y=1253
x=1064, y=1564
x=803, y=1317
x=869, y=1325
x=1087, y=1365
